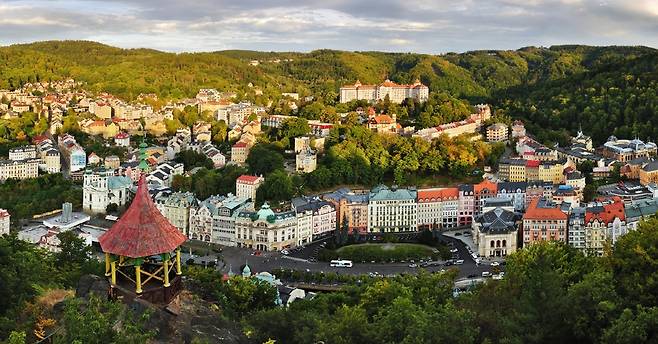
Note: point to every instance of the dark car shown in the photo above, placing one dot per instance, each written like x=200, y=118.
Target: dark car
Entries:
x=448, y=263
x=472, y=276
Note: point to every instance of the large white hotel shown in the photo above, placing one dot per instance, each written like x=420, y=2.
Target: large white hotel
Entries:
x=396, y=93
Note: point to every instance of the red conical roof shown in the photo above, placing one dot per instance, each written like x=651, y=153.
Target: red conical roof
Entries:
x=142, y=231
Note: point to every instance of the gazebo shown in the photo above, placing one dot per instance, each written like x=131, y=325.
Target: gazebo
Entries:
x=141, y=250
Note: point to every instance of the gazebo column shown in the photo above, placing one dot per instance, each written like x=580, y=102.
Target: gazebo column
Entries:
x=107, y=264
x=138, y=279
x=166, y=272
x=178, y=269
x=114, y=272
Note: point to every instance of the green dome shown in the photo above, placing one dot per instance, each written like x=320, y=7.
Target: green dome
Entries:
x=246, y=272
x=265, y=212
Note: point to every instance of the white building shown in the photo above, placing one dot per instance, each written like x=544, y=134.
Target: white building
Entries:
x=213, y=220
x=437, y=208
x=102, y=188
x=246, y=186
x=323, y=218
x=19, y=169
x=5, y=220
x=306, y=161
x=122, y=139
x=23, y=153
x=513, y=191
x=396, y=93
x=266, y=230
x=74, y=155
x=164, y=174
x=176, y=208
x=495, y=232
x=392, y=210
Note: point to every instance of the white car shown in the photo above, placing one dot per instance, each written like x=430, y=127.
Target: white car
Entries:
x=454, y=250
x=486, y=274
x=459, y=262
x=285, y=252
x=495, y=264
x=497, y=277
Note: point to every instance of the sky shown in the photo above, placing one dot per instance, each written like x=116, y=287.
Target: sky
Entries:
x=423, y=26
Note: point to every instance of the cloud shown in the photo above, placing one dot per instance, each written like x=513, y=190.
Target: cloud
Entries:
x=429, y=26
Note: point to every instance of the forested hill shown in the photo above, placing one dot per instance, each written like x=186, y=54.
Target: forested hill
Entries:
x=606, y=89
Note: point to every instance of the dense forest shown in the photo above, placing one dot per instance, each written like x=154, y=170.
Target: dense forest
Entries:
x=607, y=90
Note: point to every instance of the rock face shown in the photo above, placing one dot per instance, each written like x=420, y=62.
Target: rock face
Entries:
x=92, y=284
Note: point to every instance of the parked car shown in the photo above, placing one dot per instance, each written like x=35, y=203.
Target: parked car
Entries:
x=459, y=262
x=497, y=277
x=458, y=234
x=454, y=250
x=467, y=234
x=413, y=265
x=285, y=252
x=486, y=274
x=472, y=276
x=448, y=263
x=495, y=264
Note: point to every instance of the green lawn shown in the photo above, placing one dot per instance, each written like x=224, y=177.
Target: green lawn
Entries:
x=385, y=252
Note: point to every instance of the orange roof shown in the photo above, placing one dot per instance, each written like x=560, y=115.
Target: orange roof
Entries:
x=245, y=178
x=610, y=211
x=437, y=194
x=383, y=119
x=240, y=144
x=535, y=213
x=485, y=184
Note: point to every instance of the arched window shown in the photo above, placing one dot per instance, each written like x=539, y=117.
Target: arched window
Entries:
x=492, y=243
x=504, y=243
x=497, y=243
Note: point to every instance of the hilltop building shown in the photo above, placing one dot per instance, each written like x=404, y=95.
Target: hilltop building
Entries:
x=396, y=93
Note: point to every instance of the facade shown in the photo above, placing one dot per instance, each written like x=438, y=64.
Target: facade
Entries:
x=577, y=232
x=49, y=155
x=19, y=169
x=112, y=162
x=383, y=124
x=213, y=220
x=351, y=207
x=638, y=211
x=542, y=221
x=495, y=232
x=74, y=155
x=518, y=129
x=323, y=217
x=437, y=208
x=176, y=208
x=396, y=93
x=512, y=170
x=246, y=186
x=122, y=139
x=515, y=192
x=649, y=173
x=102, y=188
x=626, y=150
x=604, y=223
x=306, y=162
x=23, y=153
x=466, y=205
x=497, y=132
x=5, y=220
x=481, y=193
x=266, y=230
x=240, y=152
x=392, y=210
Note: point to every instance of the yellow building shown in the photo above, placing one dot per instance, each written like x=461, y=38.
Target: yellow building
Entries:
x=497, y=132
x=649, y=173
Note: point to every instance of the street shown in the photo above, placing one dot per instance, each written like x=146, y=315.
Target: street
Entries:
x=235, y=257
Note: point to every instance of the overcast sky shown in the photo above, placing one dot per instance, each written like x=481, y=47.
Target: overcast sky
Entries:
x=427, y=26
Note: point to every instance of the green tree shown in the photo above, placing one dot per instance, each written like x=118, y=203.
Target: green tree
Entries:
x=263, y=159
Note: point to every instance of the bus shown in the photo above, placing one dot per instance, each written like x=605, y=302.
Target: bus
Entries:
x=341, y=263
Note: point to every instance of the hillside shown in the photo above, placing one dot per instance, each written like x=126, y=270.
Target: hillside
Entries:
x=555, y=88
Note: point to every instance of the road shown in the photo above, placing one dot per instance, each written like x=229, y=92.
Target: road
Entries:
x=235, y=258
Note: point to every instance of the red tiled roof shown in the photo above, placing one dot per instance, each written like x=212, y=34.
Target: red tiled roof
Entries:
x=240, y=144
x=532, y=163
x=437, y=194
x=535, y=213
x=485, y=184
x=122, y=135
x=610, y=211
x=142, y=231
x=245, y=178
